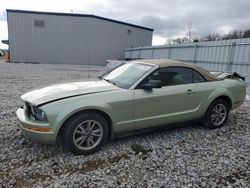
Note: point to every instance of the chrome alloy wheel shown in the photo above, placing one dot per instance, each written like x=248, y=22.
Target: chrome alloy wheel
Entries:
x=88, y=135
x=218, y=114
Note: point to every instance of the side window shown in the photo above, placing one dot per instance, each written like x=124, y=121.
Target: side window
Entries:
x=197, y=77
x=181, y=76
x=173, y=76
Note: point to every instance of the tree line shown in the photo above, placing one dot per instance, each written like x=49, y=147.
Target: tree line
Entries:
x=235, y=34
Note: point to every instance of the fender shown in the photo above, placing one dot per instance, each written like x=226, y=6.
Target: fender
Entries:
x=73, y=106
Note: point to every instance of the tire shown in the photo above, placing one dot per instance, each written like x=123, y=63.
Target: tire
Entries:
x=80, y=139
x=212, y=119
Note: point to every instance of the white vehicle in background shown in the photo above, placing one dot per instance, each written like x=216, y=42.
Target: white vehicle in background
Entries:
x=113, y=63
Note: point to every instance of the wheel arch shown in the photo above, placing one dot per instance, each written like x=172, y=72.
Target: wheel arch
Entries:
x=215, y=96
x=100, y=112
x=224, y=97
x=219, y=93
x=205, y=120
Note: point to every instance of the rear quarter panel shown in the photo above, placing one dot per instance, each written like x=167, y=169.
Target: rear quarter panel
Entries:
x=235, y=90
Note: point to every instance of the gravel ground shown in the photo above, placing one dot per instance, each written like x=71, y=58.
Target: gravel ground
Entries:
x=191, y=156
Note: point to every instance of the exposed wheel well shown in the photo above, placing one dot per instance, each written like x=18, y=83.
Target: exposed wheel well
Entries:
x=226, y=98
x=103, y=114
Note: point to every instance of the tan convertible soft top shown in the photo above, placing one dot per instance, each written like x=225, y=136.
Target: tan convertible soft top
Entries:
x=174, y=63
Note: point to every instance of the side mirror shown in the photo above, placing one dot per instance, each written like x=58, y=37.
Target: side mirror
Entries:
x=152, y=84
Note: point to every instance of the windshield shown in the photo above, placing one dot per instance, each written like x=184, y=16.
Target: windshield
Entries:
x=126, y=75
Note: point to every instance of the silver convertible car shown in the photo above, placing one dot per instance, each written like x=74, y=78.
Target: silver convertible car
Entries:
x=135, y=97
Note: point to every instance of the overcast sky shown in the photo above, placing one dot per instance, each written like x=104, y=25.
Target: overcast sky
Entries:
x=169, y=18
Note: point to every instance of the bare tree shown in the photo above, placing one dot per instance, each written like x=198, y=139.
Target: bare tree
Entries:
x=246, y=34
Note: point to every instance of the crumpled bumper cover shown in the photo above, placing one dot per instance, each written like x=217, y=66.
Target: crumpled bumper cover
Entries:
x=26, y=124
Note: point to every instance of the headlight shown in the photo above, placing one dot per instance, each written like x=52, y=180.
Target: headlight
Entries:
x=39, y=114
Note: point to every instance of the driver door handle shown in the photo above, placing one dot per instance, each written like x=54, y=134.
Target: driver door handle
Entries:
x=189, y=91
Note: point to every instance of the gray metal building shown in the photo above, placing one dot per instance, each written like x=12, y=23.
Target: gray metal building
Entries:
x=46, y=37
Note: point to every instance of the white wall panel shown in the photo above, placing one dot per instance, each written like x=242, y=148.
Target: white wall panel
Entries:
x=227, y=55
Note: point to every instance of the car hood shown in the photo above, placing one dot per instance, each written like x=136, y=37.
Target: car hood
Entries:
x=65, y=90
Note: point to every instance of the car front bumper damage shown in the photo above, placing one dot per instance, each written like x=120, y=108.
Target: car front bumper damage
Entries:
x=35, y=130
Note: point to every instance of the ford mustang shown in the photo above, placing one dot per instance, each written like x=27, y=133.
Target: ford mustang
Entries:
x=138, y=96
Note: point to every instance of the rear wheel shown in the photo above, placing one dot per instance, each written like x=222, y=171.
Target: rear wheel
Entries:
x=86, y=133
x=217, y=114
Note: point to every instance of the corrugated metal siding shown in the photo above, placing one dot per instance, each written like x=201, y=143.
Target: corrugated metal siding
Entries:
x=70, y=40
x=225, y=55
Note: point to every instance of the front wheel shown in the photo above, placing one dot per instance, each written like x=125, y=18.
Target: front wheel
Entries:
x=217, y=114
x=86, y=133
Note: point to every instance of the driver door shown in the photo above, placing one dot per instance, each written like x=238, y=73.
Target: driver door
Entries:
x=175, y=102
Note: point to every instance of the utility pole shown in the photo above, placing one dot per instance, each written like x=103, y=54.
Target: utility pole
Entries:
x=189, y=32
